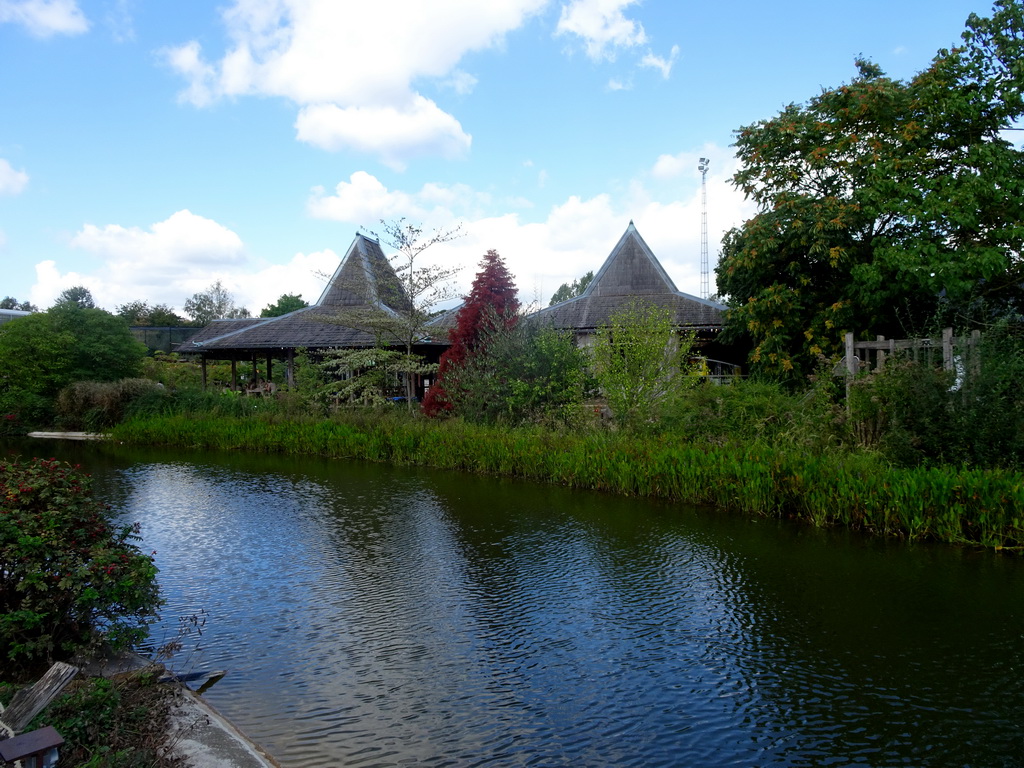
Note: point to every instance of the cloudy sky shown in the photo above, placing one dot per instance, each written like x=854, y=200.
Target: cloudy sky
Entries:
x=149, y=148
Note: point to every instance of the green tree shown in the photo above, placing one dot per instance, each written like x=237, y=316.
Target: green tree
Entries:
x=45, y=351
x=492, y=302
x=571, y=290
x=367, y=376
x=9, y=302
x=76, y=294
x=526, y=373
x=881, y=204
x=424, y=286
x=641, y=363
x=287, y=303
x=140, y=313
x=215, y=303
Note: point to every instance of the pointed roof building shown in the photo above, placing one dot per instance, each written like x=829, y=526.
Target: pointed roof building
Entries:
x=364, y=280
x=630, y=272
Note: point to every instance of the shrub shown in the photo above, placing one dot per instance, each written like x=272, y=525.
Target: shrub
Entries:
x=69, y=578
x=524, y=374
x=95, y=405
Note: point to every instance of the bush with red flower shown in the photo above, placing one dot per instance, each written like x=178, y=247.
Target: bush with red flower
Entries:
x=69, y=577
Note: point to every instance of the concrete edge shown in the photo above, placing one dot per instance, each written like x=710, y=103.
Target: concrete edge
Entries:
x=207, y=739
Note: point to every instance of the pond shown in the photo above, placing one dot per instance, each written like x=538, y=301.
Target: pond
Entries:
x=376, y=616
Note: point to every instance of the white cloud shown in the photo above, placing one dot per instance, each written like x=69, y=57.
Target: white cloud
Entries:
x=461, y=82
x=173, y=259
x=350, y=65
x=663, y=65
x=44, y=18
x=156, y=265
x=363, y=201
x=575, y=236
x=12, y=182
x=602, y=25
x=722, y=164
x=176, y=258
x=393, y=134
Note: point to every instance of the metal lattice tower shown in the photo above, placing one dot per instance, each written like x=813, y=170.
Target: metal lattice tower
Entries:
x=705, y=287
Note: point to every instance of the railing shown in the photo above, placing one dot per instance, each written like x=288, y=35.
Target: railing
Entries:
x=871, y=355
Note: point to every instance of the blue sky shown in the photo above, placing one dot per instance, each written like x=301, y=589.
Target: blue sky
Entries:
x=148, y=148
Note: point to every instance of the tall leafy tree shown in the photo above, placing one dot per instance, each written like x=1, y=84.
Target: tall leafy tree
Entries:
x=215, y=303
x=492, y=303
x=422, y=287
x=288, y=302
x=140, y=313
x=44, y=352
x=882, y=203
x=571, y=290
x=9, y=302
x=640, y=363
x=78, y=295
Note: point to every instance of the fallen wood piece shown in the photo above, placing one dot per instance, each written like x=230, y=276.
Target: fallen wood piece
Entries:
x=29, y=702
x=191, y=677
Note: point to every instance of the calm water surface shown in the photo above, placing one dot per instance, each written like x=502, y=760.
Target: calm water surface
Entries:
x=374, y=616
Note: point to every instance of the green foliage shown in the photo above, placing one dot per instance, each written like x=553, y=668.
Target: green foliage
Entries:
x=419, y=288
x=524, y=374
x=368, y=376
x=42, y=353
x=140, y=313
x=914, y=415
x=287, y=303
x=68, y=577
x=215, y=303
x=742, y=412
x=113, y=723
x=78, y=296
x=93, y=406
x=823, y=487
x=9, y=302
x=174, y=372
x=882, y=204
x=571, y=290
x=640, y=362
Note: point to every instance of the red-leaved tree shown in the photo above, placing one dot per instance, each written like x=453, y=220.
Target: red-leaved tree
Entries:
x=492, y=303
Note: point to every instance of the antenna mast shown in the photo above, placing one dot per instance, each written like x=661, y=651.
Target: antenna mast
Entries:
x=702, y=166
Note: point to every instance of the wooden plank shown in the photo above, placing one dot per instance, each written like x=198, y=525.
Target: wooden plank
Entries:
x=29, y=702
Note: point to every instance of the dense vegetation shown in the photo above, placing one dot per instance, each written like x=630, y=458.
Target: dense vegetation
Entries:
x=903, y=455
x=69, y=578
x=884, y=207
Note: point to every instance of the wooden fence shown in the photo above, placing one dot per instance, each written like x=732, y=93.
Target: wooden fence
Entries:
x=955, y=352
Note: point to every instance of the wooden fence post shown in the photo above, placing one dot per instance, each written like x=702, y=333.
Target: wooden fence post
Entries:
x=947, y=348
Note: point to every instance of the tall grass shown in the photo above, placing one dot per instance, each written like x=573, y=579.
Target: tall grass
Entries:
x=859, y=490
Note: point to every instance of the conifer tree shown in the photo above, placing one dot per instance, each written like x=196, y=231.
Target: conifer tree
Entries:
x=492, y=303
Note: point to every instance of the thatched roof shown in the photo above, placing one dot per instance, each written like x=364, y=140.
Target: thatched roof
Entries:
x=363, y=281
x=631, y=271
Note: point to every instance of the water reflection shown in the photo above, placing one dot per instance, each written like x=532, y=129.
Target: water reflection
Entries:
x=377, y=616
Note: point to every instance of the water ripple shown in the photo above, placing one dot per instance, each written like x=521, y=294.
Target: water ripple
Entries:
x=376, y=617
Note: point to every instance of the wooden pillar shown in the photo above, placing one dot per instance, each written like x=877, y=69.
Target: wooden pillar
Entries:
x=851, y=367
x=255, y=370
x=881, y=354
x=947, y=348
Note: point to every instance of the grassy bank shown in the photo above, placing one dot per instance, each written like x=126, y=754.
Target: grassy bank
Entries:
x=859, y=490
